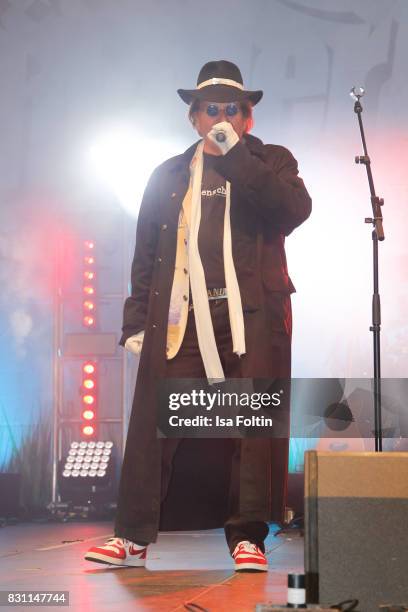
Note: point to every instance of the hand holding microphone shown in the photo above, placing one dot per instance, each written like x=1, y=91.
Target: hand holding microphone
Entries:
x=224, y=136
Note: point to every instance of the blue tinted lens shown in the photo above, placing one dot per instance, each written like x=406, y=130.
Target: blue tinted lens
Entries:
x=212, y=110
x=231, y=110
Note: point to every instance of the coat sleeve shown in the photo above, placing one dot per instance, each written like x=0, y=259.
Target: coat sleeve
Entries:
x=136, y=305
x=269, y=183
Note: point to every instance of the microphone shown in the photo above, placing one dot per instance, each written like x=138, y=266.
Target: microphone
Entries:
x=220, y=137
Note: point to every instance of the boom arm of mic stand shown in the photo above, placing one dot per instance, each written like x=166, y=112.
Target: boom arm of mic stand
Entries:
x=376, y=202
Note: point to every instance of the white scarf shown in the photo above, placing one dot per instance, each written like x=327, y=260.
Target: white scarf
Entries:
x=205, y=331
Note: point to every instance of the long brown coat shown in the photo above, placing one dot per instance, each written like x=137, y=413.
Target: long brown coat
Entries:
x=268, y=200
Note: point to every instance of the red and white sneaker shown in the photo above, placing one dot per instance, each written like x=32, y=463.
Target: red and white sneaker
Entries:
x=249, y=557
x=118, y=551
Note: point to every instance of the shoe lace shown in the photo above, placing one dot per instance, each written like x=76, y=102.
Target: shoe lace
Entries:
x=248, y=547
x=121, y=542
x=115, y=541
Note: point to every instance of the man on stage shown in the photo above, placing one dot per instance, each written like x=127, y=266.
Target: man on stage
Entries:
x=210, y=299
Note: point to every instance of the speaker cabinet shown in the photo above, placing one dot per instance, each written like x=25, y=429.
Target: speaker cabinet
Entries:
x=356, y=528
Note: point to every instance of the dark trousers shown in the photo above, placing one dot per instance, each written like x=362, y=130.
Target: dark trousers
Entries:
x=188, y=364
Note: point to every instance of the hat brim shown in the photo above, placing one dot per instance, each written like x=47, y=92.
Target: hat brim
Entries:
x=219, y=93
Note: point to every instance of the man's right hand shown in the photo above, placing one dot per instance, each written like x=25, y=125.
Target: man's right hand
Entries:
x=230, y=137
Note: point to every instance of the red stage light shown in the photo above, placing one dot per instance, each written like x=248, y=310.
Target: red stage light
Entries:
x=89, y=370
x=88, y=415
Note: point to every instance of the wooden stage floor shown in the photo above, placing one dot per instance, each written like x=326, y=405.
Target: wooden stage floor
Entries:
x=181, y=567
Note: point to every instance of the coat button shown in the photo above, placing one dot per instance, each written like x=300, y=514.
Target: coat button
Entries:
x=185, y=241
x=156, y=293
x=173, y=195
x=185, y=298
x=154, y=326
x=164, y=227
x=159, y=259
x=185, y=271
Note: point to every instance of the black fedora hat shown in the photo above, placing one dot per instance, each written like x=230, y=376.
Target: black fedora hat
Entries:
x=220, y=81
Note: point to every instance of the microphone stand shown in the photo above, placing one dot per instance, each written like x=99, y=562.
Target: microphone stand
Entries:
x=377, y=234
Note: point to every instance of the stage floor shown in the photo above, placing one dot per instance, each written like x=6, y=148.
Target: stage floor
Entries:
x=181, y=567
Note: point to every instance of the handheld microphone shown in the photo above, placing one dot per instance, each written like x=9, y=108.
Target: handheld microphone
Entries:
x=220, y=137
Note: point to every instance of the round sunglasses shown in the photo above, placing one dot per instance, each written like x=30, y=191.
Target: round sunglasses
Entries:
x=213, y=110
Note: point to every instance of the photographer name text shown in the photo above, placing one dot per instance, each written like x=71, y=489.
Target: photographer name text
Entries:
x=218, y=421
